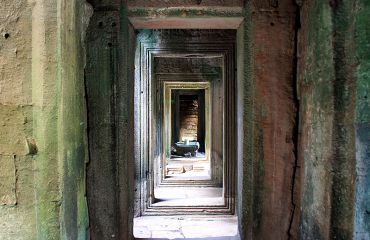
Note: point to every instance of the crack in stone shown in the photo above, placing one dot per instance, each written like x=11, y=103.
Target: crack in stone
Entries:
x=296, y=128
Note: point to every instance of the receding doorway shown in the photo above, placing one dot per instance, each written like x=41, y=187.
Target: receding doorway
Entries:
x=187, y=129
x=130, y=150
x=185, y=120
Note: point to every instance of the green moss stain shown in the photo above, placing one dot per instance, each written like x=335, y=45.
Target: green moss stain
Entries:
x=184, y=12
x=334, y=87
x=316, y=74
x=258, y=183
x=45, y=97
x=343, y=163
x=319, y=57
x=362, y=33
x=72, y=137
x=362, y=122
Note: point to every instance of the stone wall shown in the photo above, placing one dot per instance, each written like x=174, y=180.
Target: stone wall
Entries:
x=101, y=68
x=333, y=107
x=362, y=120
x=267, y=114
x=42, y=144
x=17, y=203
x=275, y=107
x=110, y=51
x=188, y=118
x=317, y=115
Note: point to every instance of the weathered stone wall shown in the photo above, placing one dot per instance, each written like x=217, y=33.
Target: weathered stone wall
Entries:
x=101, y=73
x=334, y=119
x=316, y=71
x=72, y=118
x=188, y=118
x=42, y=129
x=17, y=203
x=267, y=115
x=272, y=37
x=109, y=72
x=362, y=120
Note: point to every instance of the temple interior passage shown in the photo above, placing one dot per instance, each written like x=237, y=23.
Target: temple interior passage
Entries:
x=184, y=119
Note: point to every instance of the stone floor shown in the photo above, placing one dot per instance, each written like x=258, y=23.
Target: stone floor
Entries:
x=188, y=196
x=188, y=168
x=186, y=227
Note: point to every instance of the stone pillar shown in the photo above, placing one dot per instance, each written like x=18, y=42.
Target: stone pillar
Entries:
x=327, y=91
x=46, y=99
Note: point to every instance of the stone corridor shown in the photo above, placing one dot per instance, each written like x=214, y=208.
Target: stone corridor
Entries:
x=83, y=134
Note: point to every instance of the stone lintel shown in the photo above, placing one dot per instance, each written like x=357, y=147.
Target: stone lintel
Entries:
x=186, y=18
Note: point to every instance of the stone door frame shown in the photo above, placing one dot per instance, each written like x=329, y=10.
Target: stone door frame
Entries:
x=149, y=46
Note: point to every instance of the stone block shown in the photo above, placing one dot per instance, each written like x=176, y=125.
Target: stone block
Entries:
x=13, y=131
x=167, y=234
x=7, y=181
x=15, y=52
x=142, y=232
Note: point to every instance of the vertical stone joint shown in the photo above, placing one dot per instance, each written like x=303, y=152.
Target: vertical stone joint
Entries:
x=297, y=26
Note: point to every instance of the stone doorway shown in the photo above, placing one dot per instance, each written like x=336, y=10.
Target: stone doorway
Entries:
x=185, y=100
x=128, y=178
x=173, y=65
x=187, y=127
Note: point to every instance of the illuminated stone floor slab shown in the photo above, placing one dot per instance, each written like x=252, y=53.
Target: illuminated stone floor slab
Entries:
x=188, y=196
x=186, y=227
